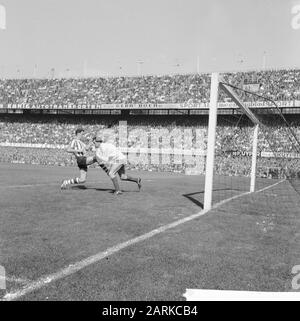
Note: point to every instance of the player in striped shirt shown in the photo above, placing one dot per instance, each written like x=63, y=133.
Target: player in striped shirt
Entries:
x=79, y=149
x=112, y=161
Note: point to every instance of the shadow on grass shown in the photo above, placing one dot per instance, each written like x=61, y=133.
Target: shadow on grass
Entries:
x=194, y=200
x=82, y=187
x=200, y=204
x=110, y=190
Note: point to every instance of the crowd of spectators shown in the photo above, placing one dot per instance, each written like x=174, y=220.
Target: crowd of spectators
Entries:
x=192, y=88
x=35, y=156
x=232, y=134
x=233, y=140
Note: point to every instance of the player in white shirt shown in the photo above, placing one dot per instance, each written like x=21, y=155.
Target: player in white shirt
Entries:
x=112, y=162
x=79, y=149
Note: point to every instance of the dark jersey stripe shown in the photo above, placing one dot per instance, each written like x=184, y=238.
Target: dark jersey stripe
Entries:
x=104, y=168
x=77, y=145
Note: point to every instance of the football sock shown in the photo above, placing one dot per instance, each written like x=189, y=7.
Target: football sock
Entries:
x=116, y=183
x=72, y=181
x=131, y=179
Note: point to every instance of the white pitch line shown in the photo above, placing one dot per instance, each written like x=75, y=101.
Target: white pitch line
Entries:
x=13, y=279
x=40, y=184
x=267, y=187
x=29, y=185
x=73, y=268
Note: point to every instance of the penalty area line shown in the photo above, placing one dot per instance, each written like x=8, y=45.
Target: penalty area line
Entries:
x=73, y=268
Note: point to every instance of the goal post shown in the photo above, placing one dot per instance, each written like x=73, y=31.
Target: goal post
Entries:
x=230, y=93
x=212, y=123
x=254, y=158
x=232, y=147
x=216, y=84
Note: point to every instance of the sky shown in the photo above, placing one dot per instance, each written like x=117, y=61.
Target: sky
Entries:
x=77, y=38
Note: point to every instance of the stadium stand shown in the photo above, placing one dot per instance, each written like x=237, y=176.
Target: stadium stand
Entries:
x=57, y=130
x=275, y=84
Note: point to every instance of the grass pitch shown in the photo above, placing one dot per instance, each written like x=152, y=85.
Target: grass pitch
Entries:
x=249, y=243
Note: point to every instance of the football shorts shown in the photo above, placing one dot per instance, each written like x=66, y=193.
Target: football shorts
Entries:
x=117, y=169
x=81, y=162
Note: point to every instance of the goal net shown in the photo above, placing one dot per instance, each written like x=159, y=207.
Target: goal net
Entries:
x=253, y=155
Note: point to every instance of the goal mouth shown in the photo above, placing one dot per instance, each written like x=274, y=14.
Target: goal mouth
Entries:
x=258, y=146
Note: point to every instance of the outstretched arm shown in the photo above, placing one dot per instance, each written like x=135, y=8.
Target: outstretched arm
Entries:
x=90, y=146
x=70, y=149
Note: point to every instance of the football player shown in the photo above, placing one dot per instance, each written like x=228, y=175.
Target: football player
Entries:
x=112, y=161
x=78, y=148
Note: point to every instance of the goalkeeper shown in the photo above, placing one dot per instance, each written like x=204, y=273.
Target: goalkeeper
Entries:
x=113, y=162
